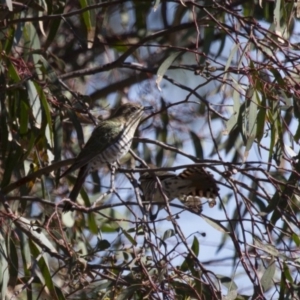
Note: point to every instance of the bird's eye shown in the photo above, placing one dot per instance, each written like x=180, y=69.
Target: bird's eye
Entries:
x=133, y=109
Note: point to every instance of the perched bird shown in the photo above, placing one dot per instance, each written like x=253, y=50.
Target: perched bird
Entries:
x=189, y=186
x=109, y=141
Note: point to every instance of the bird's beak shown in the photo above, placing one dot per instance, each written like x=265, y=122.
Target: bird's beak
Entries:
x=148, y=107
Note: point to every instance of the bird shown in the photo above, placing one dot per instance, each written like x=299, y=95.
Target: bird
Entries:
x=189, y=186
x=108, y=143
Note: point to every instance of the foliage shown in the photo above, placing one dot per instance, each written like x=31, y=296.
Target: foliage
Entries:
x=223, y=78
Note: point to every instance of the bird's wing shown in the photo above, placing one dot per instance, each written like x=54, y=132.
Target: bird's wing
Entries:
x=90, y=151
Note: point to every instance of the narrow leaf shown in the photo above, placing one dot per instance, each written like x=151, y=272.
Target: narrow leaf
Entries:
x=10, y=8
x=34, y=101
x=129, y=237
x=168, y=233
x=251, y=119
x=265, y=247
x=195, y=246
x=228, y=282
x=287, y=273
x=296, y=239
x=197, y=145
x=46, y=109
x=4, y=275
x=267, y=279
x=89, y=18
x=164, y=67
x=45, y=272
x=216, y=224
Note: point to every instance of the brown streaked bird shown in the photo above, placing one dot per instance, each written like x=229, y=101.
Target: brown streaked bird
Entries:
x=189, y=186
x=109, y=142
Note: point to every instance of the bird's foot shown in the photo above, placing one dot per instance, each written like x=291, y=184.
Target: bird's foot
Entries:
x=68, y=206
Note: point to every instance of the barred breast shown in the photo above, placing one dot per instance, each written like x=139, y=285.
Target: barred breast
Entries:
x=112, y=153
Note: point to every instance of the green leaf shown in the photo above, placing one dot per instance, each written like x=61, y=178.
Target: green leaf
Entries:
x=4, y=267
x=287, y=273
x=283, y=287
x=93, y=226
x=209, y=33
x=156, y=4
x=297, y=134
x=18, y=34
x=228, y=282
x=215, y=224
x=222, y=40
x=195, y=246
x=261, y=119
x=4, y=131
x=45, y=277
x=241, y=121
x=296, y=239
x=232, y=122
x=49, y=5
x=187, y=264
x=273, y=140
x=277, y=14
x=35, y=101
x=10, y=8
x=165, y=66
x=296, y=105
x=278, y=153
x=265, y=247
x=231, y=295
x=89, y=18
x=57, y=137
x=267, y=278
x=46, y=109
x=159, y=157
x=229, y=60
x=129, y=237
x=110, y=227
x=11, y=161
x=25, y=254
x=252, y=98
x=12, y=72
x=32, y=43
x=140, y=20
x=24, y=116
x=167, y=234
x=197, y=145
x=53, y=28
x=14, y=260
